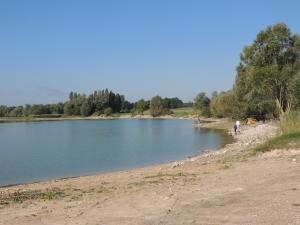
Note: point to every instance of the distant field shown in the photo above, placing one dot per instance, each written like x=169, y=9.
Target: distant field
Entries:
x=179, y=112
x=182, y=112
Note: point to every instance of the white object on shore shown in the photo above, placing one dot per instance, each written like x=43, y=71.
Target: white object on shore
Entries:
x=238, y=125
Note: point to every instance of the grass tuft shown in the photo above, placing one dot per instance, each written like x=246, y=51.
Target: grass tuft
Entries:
x=291, y=140
x=289, y=136
x=290, y=123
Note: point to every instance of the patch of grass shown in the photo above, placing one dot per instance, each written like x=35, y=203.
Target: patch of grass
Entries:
x=290, y=123
x=160, y=175
x=21, y=196
x=183, y=112
x=289, y=136
x=49, y=195
x=290, y=140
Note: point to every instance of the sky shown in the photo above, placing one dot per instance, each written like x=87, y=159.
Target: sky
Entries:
x=137, y=48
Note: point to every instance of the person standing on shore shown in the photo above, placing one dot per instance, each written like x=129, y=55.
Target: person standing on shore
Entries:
x=238, y=126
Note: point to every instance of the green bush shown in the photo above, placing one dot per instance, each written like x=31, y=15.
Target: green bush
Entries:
x=108, y=111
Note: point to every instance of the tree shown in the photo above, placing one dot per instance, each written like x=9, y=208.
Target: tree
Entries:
x=156, y=106
x=141, y=106
x=3, y=111
x=69, y=109
x=201, y=105
x=16, y=112
x=266, y=71
x=172, y=103
x=86, y=108
x=222, y=104
x=117, y=103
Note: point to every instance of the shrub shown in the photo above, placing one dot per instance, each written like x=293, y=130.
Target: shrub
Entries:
x=108, y=111
x=290, y=123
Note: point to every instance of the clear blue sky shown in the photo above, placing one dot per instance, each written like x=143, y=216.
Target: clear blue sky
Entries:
x=137, y=48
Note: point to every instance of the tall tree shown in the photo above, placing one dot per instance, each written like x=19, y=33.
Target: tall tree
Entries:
x=86, y=108
x=266, y=71
x=156, y=106
x=141, y=106
x=201, y=104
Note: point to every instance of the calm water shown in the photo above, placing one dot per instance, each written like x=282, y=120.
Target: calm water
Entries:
x=43, y=150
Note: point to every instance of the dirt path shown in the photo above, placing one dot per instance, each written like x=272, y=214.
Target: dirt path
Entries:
x=224, y=187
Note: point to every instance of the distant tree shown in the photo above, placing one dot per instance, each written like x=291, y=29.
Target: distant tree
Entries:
x=201, y=105
x=172, y=103
x=69, y=109
x=86, y=108
x=71, y=95
x=214, y=94
x=141, y=106
x=3, y=111
x=117, y=103
x=156, y=106
x=222, y=104
x=57, y=108
x=16, y=111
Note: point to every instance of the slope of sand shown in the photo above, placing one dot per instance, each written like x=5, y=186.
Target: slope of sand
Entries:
x=223, y=187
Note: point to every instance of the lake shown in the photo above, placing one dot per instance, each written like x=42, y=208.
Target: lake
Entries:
x=37, y=151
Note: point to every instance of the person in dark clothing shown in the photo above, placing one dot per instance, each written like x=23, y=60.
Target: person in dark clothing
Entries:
x=235, y=128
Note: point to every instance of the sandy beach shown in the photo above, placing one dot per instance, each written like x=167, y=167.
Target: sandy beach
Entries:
x=228, y=186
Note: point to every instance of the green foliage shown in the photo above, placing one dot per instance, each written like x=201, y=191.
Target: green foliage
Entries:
x=290, y=123
x=294, y=91
x=201, y=105
x=267, y=72
x=22, y=196
x=108, y=111
x=141, y=106
x=96, y=103
x=172, y=103
x=222, y=104
x=49, y=195
x=86, y=108
x=290, y=140
x=156, y=106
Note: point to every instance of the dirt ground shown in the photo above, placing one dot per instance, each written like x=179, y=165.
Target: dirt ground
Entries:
x=224, y=187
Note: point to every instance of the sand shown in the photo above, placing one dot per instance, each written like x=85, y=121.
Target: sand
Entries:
x=222, y=187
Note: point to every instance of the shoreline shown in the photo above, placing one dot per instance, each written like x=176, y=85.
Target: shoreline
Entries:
x=219, y=124
x=29, y=119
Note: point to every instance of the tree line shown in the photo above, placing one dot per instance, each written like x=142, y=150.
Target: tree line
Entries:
x=102, y=102
x=267, y=81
